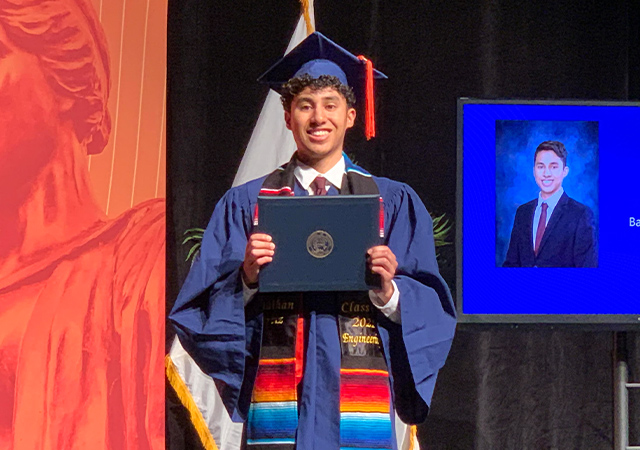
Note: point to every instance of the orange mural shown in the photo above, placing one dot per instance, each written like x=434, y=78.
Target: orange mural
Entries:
x=81, y=254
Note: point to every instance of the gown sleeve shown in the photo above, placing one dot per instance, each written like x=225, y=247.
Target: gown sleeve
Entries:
x=213, y=288
x=417, y=348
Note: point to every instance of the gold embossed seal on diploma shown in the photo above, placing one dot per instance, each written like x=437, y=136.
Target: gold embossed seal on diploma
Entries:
x=319, y=244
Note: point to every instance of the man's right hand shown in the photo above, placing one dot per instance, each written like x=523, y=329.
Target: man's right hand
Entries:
x=259, y=251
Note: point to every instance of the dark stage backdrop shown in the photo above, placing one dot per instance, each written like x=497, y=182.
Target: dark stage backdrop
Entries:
x=502, y=388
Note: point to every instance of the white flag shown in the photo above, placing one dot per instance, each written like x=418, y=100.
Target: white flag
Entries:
x=271, y=143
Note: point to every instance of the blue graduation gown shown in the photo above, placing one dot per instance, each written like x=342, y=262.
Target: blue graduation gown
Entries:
x=209, y=316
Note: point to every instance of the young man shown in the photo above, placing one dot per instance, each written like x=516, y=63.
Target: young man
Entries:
x=553, y=230
x=318, y=370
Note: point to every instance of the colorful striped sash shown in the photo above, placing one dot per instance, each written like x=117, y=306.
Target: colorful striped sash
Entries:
x=273, y=413
x=364, y=380
x=365, y=421
x=364, y=409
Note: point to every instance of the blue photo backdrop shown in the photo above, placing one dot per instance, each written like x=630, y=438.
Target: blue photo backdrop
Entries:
x=516, y=142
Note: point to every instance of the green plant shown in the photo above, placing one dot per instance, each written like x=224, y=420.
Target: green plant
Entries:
x=193, y=235
x=441, y=229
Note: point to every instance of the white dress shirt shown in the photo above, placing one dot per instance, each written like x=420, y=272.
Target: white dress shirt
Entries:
x=305, y=176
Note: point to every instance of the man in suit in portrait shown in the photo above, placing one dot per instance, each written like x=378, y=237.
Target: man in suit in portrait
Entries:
x=553, y=230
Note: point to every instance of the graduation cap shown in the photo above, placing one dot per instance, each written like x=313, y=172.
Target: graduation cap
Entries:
x=317, y=55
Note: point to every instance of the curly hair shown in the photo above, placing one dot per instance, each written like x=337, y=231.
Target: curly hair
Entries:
x=296, y=85
x=68, y=39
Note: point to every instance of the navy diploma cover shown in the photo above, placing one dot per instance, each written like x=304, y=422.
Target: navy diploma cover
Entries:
x=321, y=242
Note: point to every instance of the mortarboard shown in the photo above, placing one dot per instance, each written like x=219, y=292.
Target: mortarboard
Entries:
x=317, y=55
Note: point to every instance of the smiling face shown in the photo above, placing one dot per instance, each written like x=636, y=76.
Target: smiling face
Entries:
x=549, y=172
x=319, y=120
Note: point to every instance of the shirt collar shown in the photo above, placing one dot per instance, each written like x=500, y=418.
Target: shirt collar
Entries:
x=305, y=174
x=553, y=200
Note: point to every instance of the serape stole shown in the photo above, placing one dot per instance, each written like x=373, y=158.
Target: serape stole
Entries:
x=273, y=414
x=365, y=420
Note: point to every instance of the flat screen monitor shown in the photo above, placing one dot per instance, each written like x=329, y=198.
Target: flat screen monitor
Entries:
x=548, y=213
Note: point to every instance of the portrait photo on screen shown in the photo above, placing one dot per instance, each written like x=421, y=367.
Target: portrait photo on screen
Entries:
x=547, y=193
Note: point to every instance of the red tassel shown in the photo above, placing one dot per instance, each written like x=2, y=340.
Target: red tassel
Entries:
x=369, y=115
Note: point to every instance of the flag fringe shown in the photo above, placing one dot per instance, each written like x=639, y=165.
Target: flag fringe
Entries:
x=307, y=16
x=413, y=437
x=182, y=391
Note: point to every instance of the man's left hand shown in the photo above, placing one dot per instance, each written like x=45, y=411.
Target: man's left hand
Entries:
x=383, y=262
